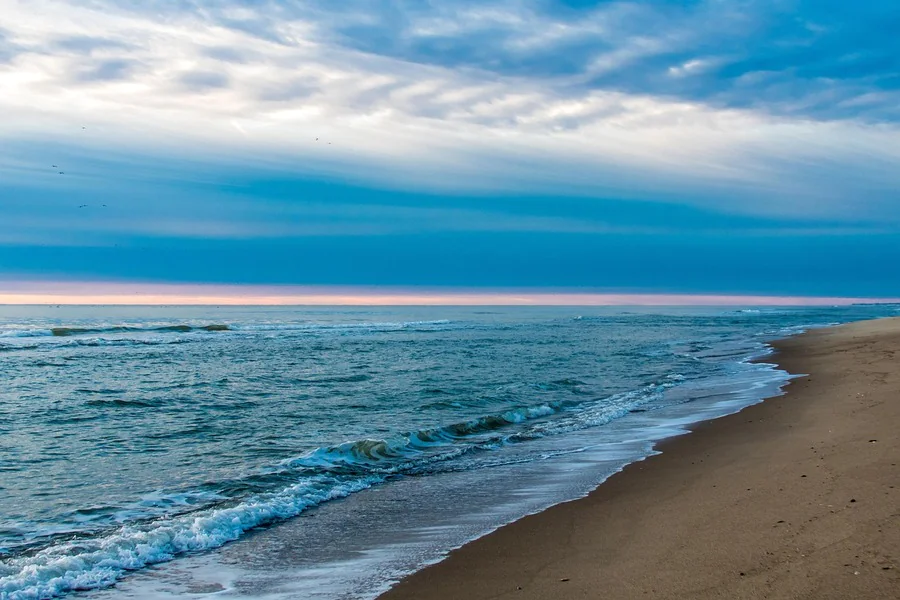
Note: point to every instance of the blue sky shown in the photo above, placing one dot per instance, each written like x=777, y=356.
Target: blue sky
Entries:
x=740, y=147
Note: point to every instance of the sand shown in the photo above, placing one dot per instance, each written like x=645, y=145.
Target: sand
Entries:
x=795, y=497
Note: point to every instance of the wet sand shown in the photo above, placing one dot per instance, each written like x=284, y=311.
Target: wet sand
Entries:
x=796, y=497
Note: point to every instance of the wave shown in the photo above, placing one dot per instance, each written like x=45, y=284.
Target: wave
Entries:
x=99, y=341
x=99, y=559
x=72, y=331
x=393, y=454
x=76, y=342
x=84, y=564
x=118, y=402
x=76, y=331
x=406, y=453
x=375, y=325
x=322, y=380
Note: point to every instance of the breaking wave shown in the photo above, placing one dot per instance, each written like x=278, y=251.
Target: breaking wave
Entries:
x=115, y=330
x=70, y=331
x=77, y=331
x=83, y=564
x=98, y=559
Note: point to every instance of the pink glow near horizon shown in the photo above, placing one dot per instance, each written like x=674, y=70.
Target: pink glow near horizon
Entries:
x=82, y=293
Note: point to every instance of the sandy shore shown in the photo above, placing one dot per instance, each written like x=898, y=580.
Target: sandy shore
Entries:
x=796, y=497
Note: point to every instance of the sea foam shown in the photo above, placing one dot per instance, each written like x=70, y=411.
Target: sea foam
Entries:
x=101, y=561
x=321, y=475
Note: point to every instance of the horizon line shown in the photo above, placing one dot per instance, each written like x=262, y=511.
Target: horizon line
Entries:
x=155, y=294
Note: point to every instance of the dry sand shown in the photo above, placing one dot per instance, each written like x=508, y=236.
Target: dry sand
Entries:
x=796, y=497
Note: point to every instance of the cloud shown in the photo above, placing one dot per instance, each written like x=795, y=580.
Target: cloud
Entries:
x=203, y=80
x=87, y=45
x=8, y=49
x=785, y=58
x=827, y=51
x=108, y=70
x=105, y=201
x=286, y=91
x=763, y=107
x=230, y=55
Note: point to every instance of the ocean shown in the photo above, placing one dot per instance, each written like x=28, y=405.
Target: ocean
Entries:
x=325, y=452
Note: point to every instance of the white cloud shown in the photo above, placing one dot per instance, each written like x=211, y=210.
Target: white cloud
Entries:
x=691, y=67
x=232, y=86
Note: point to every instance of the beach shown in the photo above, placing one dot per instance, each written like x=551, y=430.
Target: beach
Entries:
x=794, y=497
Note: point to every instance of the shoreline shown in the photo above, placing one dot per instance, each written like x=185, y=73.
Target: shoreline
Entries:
x=747, y=505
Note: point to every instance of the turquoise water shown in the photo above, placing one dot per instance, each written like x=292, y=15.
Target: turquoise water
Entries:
x=137, y=437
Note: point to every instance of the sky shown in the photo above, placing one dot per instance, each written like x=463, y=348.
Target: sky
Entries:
x=548, y=147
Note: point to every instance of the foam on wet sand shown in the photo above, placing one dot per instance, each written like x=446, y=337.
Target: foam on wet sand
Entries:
x=796, y=497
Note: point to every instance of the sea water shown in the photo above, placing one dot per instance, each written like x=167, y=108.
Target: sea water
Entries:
x=326, y=452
